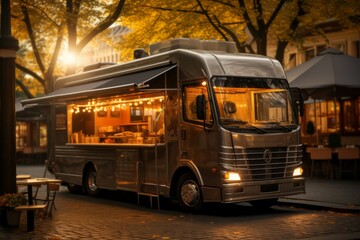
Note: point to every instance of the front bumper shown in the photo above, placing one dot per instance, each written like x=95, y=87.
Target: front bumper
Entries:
x=257, y=190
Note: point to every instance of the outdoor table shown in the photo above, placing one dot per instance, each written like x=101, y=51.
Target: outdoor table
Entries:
x=22, y=177
x=30, y=183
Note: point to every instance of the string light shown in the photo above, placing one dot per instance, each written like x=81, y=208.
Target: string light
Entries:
x=113, y=105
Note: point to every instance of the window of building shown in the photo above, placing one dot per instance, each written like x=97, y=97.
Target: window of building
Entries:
x=21, y=133
x=42, y=135
x=351, y=116
x=309, y=53
x=341, y=46
x=355, y=49
x=320, y=49
x=292, y=61
x=324, y=115
x=345, y=118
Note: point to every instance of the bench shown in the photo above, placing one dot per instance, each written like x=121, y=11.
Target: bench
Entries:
x=30, y=207
x=30, y=212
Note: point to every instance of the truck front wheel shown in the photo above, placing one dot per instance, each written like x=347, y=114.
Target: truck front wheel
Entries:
x=91, y=182
x=189, y=193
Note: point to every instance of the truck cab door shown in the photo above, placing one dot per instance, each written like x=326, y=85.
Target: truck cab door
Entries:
x=198, y=141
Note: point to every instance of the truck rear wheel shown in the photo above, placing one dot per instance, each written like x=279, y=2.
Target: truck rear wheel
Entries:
x=189, y=193
x=91, y=182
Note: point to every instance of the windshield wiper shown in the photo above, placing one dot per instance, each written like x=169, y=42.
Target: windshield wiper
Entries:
x=238, y=122
x=280, y=125
x=259, y=130
x=232, y=120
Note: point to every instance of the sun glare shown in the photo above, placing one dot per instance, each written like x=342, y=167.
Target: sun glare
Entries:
x=67, y=58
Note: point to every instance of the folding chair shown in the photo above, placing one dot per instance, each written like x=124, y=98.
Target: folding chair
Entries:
x=320, y=155
x=52, y=189
x=348, y=154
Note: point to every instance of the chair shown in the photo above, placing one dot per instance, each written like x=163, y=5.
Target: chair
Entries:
x=348, y=154
x=52, y=189
x=320, y=155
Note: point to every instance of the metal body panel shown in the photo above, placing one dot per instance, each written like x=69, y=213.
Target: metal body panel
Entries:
x=115, y=164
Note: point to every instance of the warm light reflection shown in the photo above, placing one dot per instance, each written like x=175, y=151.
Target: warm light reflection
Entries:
x=113, y=104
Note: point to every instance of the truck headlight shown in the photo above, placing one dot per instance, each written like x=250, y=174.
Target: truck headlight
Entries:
x=232, y=176
x=298, y=171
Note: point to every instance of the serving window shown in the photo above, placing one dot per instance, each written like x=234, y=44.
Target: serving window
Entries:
x=132, y=119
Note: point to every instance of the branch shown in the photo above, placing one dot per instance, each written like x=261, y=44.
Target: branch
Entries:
x=211, y=21
x=24, y=89
x=247, y=19
x=72, y=17
x=32, y=39
x=224, y=3
x=275, y=13
x=102, y=26
x=31, y=73
x=51, y=67
x=173, y=9
x=259, y=16
x=293, y=26
x=43, y=13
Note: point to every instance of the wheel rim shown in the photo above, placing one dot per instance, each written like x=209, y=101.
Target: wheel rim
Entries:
x=190, y=193
x=92, y=181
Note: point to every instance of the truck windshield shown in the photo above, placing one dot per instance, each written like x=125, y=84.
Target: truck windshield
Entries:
x=258, y=105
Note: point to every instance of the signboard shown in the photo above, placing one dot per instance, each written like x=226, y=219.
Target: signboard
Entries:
x=60, y=121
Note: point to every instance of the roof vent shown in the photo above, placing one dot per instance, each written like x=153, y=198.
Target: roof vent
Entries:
x=195, y=44
x=140, y=53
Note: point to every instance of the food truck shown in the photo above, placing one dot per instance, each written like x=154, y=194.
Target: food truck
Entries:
x=193, y=121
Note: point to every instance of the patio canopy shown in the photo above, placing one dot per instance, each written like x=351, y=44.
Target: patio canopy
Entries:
x=329, y=75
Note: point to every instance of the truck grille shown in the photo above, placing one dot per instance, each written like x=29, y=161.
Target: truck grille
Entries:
x=256, y=164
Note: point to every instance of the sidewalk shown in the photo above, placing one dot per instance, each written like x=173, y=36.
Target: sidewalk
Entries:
x=327, y=194
x=321, y=194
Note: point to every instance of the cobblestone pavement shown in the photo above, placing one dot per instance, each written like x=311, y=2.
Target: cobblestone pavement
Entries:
x=116, y=215
x=119, y=217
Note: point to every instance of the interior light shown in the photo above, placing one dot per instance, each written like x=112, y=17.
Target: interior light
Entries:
x=203, y=83
x=232, y=176
x=298, y=171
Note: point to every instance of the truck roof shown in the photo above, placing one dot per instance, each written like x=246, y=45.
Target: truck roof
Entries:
x=190, y=64
x=209, y=62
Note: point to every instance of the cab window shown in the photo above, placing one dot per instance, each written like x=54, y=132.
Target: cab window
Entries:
x=190, y=93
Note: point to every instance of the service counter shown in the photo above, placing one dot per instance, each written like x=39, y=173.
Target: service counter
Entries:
x=117, y=144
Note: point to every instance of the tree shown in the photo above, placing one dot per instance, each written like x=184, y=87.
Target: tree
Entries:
x=251, y=24
x=43, y=26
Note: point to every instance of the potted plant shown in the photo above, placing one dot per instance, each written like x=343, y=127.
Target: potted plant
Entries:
x=8, y=202
x=310, y=130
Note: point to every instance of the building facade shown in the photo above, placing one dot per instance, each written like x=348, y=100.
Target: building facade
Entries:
x=329, y=117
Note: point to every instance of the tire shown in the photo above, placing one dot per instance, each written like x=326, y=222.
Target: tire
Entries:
x=264, y=204
x=189, y=193
x=90, y=182
x=73, y=188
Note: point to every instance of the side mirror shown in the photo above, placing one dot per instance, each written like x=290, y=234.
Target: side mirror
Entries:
x=200, y=107
x=298, y=100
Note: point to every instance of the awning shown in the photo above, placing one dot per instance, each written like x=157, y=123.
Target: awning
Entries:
x=148, y=78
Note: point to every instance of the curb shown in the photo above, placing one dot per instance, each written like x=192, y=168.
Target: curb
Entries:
x=316, y=205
